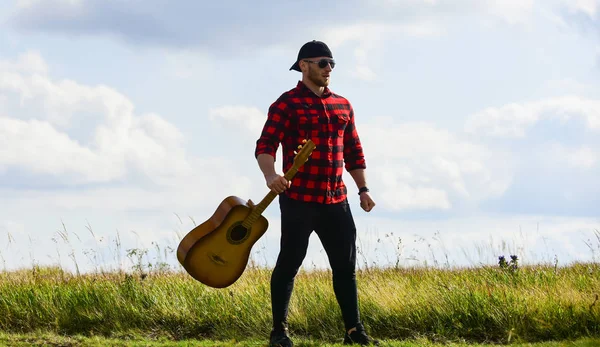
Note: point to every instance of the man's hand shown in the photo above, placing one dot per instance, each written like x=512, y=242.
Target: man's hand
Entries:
x=277, y=183
x=366, y=202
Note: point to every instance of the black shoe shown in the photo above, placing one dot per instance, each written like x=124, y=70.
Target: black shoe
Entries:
x=280, y=338
x=360, y=337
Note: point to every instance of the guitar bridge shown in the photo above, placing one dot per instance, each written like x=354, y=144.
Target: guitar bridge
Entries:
x=217, y=259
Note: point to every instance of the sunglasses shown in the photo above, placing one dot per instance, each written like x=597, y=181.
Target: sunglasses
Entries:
x=323, y=62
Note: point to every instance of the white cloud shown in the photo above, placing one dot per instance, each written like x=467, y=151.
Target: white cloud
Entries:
x=30, y=3
x=80, y=133
x=419, y=166
x=368, y=32
x=512, y=11
x=29, y=62
x=514, y=119
x=37, y=147
x=588, y=7
x=509, y=11
x=211, y=181
x=582, y=157
x=250, y=119
x=554, y=145
x=369, y=36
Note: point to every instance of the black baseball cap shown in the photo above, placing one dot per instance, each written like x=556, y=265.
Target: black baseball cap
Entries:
x=312, y=49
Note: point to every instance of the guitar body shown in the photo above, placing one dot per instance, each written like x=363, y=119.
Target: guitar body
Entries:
x=216, y=252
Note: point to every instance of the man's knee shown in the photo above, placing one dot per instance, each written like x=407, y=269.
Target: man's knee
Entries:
x=285, y=273
x=288, y=263
x=347, y=272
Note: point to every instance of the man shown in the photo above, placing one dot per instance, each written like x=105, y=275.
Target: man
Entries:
x=316, y=199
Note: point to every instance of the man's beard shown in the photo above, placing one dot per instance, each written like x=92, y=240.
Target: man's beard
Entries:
x=316, y=78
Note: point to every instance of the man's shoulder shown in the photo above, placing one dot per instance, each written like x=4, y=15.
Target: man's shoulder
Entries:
x=290, y=94
x=288, y=97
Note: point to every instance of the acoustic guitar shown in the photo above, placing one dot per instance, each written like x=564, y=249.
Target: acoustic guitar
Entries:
x=216, y=252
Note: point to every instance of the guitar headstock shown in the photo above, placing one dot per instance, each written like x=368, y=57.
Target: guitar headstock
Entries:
x=306, y=150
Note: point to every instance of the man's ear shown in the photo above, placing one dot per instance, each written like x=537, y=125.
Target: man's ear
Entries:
x=302, y=65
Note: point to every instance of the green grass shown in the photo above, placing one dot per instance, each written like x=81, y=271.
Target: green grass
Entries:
x=45, y=339
x=155, y=305
x=495, y=304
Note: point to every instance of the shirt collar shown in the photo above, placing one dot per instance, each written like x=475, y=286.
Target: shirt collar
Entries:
x=305, y=90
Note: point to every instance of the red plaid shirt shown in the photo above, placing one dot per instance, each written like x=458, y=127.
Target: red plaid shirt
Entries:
x=329, y=122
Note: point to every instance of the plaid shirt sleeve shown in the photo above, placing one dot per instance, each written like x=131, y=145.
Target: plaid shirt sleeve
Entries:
x=273, y=130
x=354, y=157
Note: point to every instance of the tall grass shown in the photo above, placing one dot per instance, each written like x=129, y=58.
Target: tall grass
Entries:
x=502, y=302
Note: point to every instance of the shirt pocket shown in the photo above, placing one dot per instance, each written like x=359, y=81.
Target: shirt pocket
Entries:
x=340, y=122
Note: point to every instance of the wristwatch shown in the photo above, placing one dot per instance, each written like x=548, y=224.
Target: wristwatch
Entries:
x=362, y=190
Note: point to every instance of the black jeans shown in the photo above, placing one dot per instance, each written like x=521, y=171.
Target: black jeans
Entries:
x=335, y=227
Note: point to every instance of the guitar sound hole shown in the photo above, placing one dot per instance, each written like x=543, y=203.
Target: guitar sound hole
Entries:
x=238, y=233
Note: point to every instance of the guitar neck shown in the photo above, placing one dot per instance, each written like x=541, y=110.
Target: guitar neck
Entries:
x=266, y=201
x=299, y=160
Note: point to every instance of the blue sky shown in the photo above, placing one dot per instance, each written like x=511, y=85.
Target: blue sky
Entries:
x=480, y=122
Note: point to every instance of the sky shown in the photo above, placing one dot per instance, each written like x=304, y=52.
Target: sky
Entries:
x=123, y=124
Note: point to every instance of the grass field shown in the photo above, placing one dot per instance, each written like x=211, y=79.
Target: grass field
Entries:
x=507, y=303
x=45, y=339
x=155, y=305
